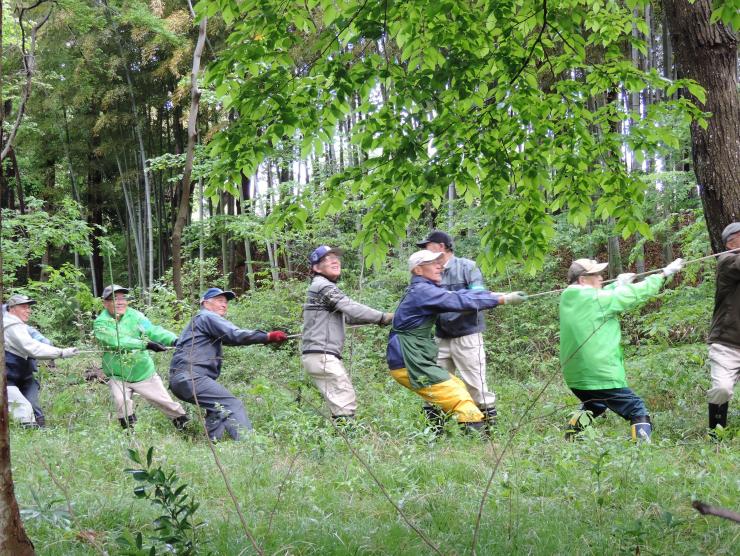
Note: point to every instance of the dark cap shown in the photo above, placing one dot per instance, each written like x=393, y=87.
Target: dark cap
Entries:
x=730, y=230
x=110, y=290
x=321, y=252
x=436, y=236
x=210, y=293
x=19, y=299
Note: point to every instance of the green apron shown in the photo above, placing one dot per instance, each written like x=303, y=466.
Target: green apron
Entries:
x=420, y=355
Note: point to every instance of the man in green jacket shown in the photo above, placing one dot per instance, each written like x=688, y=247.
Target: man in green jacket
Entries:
x=590, y=336
x=125, y=334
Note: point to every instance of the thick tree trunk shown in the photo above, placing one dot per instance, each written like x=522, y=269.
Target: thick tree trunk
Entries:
x=13, y=538
x=707, y=53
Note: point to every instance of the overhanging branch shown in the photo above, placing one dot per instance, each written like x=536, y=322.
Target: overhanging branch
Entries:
x=29, y=65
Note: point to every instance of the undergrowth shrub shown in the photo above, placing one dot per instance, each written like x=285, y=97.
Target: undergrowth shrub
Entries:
x=176, y=527
x=65, y=305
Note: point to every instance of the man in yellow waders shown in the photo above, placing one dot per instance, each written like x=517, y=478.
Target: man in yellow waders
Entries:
x=412, y=352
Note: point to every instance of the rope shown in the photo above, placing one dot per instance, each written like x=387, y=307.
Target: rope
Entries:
x=641, y=274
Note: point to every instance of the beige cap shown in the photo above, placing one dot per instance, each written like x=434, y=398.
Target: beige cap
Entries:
x=19, y=299
x=580, y=267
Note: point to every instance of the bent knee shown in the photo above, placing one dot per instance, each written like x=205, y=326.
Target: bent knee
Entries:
x=721, y=394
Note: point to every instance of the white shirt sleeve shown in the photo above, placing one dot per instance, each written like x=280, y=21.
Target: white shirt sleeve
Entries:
x=20, y=342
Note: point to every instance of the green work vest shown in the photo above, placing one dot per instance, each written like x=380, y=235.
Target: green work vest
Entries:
x=420, y=355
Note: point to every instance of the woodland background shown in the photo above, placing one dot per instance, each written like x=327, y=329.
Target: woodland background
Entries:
x=170, y=147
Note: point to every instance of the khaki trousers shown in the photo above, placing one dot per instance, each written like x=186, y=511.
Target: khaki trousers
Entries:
x=724, y=364
x=151, y=389
x=466, y=358
x=330, y=377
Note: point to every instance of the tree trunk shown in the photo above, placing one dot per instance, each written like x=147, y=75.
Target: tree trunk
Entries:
x=75, y=193
x=201, y=242
x=707, y=53
x=245, y=196
x=140, y=264
x=13, y=538
x=95, y=219
x=184, y=207
x=615, y=258
x=18, y=185
x=142, y=155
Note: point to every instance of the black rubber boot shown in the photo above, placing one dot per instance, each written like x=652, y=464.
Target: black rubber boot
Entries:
x=344, y=422
x=718, y=415
x=578, y=422
x=128, y=423
x=436, y=418
x=474, y=429
x=641, y=428
x=181, y=422
x=490, y=417
x=41, y=421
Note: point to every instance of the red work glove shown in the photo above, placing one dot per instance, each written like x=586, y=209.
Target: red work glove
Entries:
x=276, y=336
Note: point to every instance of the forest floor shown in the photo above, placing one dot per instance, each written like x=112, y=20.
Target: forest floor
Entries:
x=388, y=486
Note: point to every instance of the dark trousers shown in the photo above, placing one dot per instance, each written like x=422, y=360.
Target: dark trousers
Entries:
x=224, y=412
x=622, y=401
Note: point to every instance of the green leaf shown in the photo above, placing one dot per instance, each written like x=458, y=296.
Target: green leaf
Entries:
x=134, y=456
x=697, y=90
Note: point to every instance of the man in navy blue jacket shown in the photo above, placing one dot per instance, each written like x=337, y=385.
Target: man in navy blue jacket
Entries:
x=459, y=336
x=197, y=364
x=412, y=352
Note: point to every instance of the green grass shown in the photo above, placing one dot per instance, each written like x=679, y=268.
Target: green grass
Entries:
x=603, y=495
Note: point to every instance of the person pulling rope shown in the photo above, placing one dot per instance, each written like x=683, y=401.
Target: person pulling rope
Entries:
x=412, y=353
x=592, y=363
x=325, y=314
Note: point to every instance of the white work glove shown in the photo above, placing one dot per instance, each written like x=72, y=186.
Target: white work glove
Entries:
x=626, y=278
x=512, y=298
x=673, y=267
x=386, y=319
x=69, y=352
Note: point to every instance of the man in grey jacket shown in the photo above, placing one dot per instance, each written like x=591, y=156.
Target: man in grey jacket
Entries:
x=197, y=364
x=724, y=334
x=459, y=335
x=325, y=313
x=21, y=352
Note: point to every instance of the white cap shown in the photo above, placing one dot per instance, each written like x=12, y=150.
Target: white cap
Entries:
x=422, y=257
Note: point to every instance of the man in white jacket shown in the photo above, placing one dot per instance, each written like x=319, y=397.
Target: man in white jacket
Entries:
x=20, y=352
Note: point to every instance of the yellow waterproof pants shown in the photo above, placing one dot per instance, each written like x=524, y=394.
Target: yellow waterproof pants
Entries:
x=451, y=395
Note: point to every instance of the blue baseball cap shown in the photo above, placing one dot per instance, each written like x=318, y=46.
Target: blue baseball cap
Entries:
x=321, y=252
x=210, y=293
